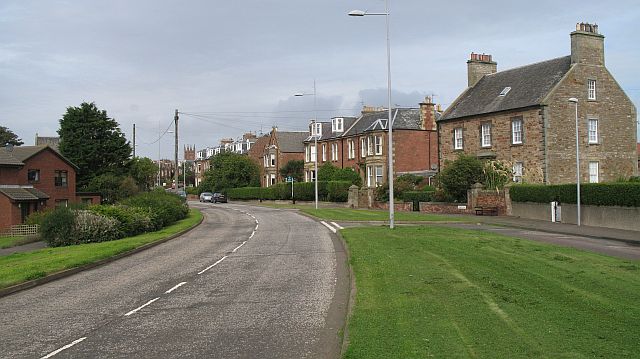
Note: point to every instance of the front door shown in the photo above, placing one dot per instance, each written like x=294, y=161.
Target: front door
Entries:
x=25, y=209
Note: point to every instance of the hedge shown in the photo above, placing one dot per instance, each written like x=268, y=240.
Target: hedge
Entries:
x=417, y=196
x=336, y=191
x=626, y=194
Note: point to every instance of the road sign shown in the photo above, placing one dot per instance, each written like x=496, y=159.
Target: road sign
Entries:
x=290, y=179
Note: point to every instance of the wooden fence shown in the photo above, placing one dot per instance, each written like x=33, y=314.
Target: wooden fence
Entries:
x=21, y=230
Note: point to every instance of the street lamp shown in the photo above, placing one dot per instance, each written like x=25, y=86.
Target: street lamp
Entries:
x=389, y=121
x=315, y=137
x=575, y=102
x=159, y=156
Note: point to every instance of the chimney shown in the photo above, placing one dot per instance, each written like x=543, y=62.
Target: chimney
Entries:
x=587, y=45
x=479, y=65
x=370, y=109
x=427, y=114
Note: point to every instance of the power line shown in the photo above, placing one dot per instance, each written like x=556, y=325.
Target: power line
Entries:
x=160, y=137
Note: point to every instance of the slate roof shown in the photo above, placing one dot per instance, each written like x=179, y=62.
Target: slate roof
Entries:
x=8, y=159
x=327, y=134
x=22, y=153
x=23, y=194
x=291, y=141
x=404, y=119
x=529, y=86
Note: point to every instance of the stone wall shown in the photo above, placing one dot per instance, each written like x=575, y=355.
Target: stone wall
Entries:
x=445, y=208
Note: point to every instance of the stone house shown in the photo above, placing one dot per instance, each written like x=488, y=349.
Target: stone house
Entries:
x=524, y=116
x=33, y=178
x=256, y=152
x=361, y=143
x=281, y=148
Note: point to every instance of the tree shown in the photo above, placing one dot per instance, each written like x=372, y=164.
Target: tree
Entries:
x=112, y=188
x=293, y=168
x=326, y=171
x=230, y=170
x=94, y=142
x=347, y=174
x=458, y=176
x=7, y=137
x=143, y=171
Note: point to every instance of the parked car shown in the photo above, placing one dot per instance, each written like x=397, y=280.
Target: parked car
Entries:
x=182, y=193
x=219, y=198
x=206, y=197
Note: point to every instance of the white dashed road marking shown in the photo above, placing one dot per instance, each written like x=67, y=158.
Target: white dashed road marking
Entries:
x=213, y=265
x=176, y=287
x=328, y=226
x=337, y=225
x=63, y=348
x=142, y=306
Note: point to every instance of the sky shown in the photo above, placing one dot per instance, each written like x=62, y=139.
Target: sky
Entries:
x=232, y=67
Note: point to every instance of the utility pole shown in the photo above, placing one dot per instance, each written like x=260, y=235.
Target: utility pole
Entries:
x=175, y=176
x=134, y=140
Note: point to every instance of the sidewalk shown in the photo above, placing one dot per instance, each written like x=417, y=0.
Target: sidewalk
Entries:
x=632, y=237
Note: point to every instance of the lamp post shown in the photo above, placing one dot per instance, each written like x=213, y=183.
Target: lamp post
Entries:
x=315, y=138
x=159, y=156
x=575, y=102
x=389, y=121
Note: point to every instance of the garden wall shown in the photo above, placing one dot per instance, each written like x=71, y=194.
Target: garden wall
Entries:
x=627, y=218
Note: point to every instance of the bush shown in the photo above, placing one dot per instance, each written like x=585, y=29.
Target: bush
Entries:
x=338, y=191
x=90, y=227
x=417, y=196
x=132, y=220
x=597, y=194
x=347, y=174
x=457, y=177
x=167, y=207
x=303, y=191
x=57, y=227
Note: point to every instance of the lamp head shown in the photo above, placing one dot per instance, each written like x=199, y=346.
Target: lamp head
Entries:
x=357, y=13
x=573, y=100
x=298, y=94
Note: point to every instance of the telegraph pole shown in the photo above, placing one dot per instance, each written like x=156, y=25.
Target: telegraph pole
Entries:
x=134, y=140
x=175, y=175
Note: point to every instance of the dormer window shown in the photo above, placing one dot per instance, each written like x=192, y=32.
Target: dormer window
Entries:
x=316, y=129
x=337, y=125
x=505, y=91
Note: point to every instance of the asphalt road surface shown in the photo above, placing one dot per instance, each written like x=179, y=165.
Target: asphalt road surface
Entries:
x=249, y=282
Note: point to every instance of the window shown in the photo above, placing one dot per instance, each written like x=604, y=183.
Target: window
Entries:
x=369, y=146
x=316, y=129
x=33, y=176
x=518, y=168
x=374, y=176
x=273, y=179
x=62, y=202
x=505, y=91
x=516, y=131
x=312, y=175
x=593, y=130
x=60, y=178
x=591, y=84
x=593, y=172
x=337, y=125
x=351, y=148
x=486, y=134
x=314, y=156
x=334, y=151
x=363, y=147
x=457, y=138
x=378, y=176
x=378, y=144
x=273, y=160
x=324, y=152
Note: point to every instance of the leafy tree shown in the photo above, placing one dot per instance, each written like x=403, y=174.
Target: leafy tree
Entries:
x=326, y=171
x=7, y=137
x=112, y=188
x=458, y=176
x=293, y=168
x=230, y=170
x=94, y=142
x=143, y=171
x=347, y=174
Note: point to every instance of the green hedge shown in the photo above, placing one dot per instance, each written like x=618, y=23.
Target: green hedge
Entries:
x=166, y=207
x=625, y=194
x=417, y=196
x=336, y=191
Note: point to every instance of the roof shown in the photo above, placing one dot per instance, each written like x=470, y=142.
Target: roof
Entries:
x=23, y=153
x=529, y=85
x=403, y=119
x=23, y=194
x=8, y=159
x=291, y=141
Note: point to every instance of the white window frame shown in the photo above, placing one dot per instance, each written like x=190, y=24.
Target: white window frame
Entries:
x=351, y=149
x=312, y=150
x=324, y=152
x=379, y=172
x=272, y=179
x=378, y=145
x=458, y=143
x=486, y=134
x=369, y=146
x=516, y=131
x=337, y=125
x=316, y=129
x=334, y=151
x=591, y=89
x=363, y=147
x=594, y=172
x=593, y=130
x=273, y=159
x=518, y=170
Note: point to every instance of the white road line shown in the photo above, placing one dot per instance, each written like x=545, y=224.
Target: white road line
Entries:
x=337, y=225
x=213, y=265
x=256, y=229
x=257, y=221
x=63, y=348
x=176, y=287
x=238, y=247
x=142, y=306
x=252, y=234
x=328, y=226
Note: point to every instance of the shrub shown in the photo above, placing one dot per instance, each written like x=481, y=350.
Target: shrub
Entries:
x=347, y=174
x=167, y=207
x=38, y=217
x=57, y=227
x=90, y=227
x=338, y=191
x=596, y=194
x=417, y=196
x=132, y=220
x=497, y=174
x=457, y=177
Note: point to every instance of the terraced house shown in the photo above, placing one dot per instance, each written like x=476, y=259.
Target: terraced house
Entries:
x=361, y=143
x=282, y=147
x=524, y=116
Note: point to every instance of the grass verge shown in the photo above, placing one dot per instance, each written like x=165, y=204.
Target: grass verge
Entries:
x=348, y=214
x=447, y=293
x=8, y=242
x=21, y=267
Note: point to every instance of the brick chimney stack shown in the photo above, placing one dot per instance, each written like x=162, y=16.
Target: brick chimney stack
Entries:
x=427, y=114
x=190, y=153
x=479, y=65
x=587, y=45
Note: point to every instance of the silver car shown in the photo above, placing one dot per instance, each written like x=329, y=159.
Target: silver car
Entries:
x=206, y=197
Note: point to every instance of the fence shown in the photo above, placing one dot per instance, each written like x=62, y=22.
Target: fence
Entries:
x=21, y=230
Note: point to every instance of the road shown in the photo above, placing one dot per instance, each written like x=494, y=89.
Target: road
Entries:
x=249, y=282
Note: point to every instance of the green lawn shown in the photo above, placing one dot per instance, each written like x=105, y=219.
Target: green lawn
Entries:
x=347, y=214
x=427, y=292
x=21, y=267
x=8, y=242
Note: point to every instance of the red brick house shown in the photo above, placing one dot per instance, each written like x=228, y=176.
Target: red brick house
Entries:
x=361, y=143
x=281, y=148
x=524, y=116
x=34, y=178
